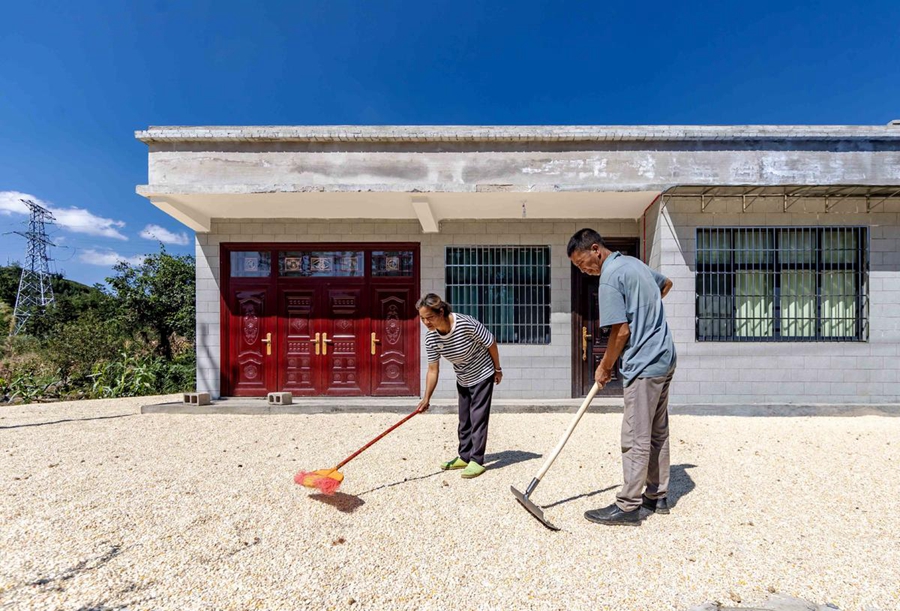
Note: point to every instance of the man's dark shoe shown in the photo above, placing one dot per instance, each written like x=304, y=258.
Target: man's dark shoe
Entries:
x=660, y=505
x=614, y=516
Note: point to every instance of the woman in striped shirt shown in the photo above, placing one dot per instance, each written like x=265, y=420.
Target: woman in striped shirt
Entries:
x=471, y=348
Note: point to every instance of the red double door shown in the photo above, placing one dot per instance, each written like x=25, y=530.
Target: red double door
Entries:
x=320, y=336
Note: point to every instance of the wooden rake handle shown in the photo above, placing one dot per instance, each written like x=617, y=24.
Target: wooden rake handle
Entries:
x=562, y=442
x=365, y=447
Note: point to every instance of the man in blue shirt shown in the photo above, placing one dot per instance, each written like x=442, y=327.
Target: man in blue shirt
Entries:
x=630, y=297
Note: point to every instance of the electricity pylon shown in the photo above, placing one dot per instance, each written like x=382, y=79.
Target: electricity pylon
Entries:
x=35, y=290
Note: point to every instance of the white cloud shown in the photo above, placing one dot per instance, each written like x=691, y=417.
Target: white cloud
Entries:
x=155, y=232
x=9, y=203
x=76, y=220
x=79, y=220
x=107, y=258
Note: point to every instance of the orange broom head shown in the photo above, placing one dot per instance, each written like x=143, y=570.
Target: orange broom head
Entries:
x=327, y=481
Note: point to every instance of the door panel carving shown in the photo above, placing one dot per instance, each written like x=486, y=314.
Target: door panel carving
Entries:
x=297, y=366
x=345, y=374
x=395, y=365
x=250, y=325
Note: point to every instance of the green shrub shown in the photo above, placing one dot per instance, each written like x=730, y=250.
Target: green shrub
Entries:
x=6, y=318
x=76, y=347
x=127, y=376
x=26, y=386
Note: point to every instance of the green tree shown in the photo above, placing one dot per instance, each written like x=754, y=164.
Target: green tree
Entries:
x=156, y=298
x=71, y=300
x=6, y=319
x=73, y=347
x=9, y=283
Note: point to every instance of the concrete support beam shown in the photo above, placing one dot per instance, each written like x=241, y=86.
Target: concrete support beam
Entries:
x=425, y=214
x=193, y=219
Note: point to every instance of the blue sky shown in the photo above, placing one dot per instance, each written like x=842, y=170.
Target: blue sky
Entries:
x=78, y=78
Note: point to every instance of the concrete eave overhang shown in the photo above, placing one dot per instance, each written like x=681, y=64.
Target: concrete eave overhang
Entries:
x=432, y=173
x=197, y=209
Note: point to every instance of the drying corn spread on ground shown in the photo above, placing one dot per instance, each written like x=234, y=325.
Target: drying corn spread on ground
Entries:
x=104, y=508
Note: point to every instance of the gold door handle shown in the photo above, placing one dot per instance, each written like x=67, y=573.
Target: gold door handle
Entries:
x=268, y=343
x=316, y=342
x=375, y=340
x=325, y=342
x=584, y=343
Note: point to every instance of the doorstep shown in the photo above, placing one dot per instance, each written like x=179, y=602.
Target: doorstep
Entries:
x=600, y=405
x=398, y=405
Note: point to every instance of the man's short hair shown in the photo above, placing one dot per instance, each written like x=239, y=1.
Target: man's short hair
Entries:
x=583, y=240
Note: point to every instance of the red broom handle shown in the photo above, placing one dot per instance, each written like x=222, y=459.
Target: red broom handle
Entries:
x=360, y=451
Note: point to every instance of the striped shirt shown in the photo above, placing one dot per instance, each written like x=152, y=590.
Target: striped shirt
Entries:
x=466, y=346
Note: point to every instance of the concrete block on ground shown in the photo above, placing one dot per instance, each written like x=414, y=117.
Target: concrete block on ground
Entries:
x=279, y=398
x=196, y=398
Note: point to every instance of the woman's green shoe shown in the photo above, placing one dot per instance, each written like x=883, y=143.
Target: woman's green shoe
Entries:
x=456, y=463
x=473, y=470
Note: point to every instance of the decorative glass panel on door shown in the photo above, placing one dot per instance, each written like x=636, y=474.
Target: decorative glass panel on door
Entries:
x=320, y=264
x=251, y=264
x=392, y=263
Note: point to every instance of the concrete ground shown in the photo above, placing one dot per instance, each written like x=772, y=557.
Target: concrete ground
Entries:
x=106, y=508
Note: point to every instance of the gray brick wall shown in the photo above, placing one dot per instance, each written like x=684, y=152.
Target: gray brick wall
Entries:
x=780, y=372
x=530, y=371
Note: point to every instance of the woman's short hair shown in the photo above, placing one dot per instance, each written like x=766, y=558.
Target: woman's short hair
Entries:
x=434, y=303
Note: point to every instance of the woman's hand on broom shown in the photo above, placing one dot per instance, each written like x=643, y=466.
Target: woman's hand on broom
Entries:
x=423, y=406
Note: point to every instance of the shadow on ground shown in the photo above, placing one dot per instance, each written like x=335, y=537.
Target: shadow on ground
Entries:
x=345, y=503
x=22, y=426
x=403, y=481
x=491, y=461
x=507, y=458
x=680, y=483
x=580, y=496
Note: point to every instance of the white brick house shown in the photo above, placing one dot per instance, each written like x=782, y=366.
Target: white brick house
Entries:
x=314, y=242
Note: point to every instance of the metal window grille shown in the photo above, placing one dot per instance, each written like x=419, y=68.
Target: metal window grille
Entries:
x=507, y=288
x=759, y=284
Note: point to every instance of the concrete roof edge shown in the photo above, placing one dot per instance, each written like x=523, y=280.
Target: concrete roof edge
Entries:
x=510, y=133
x=411, y=189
